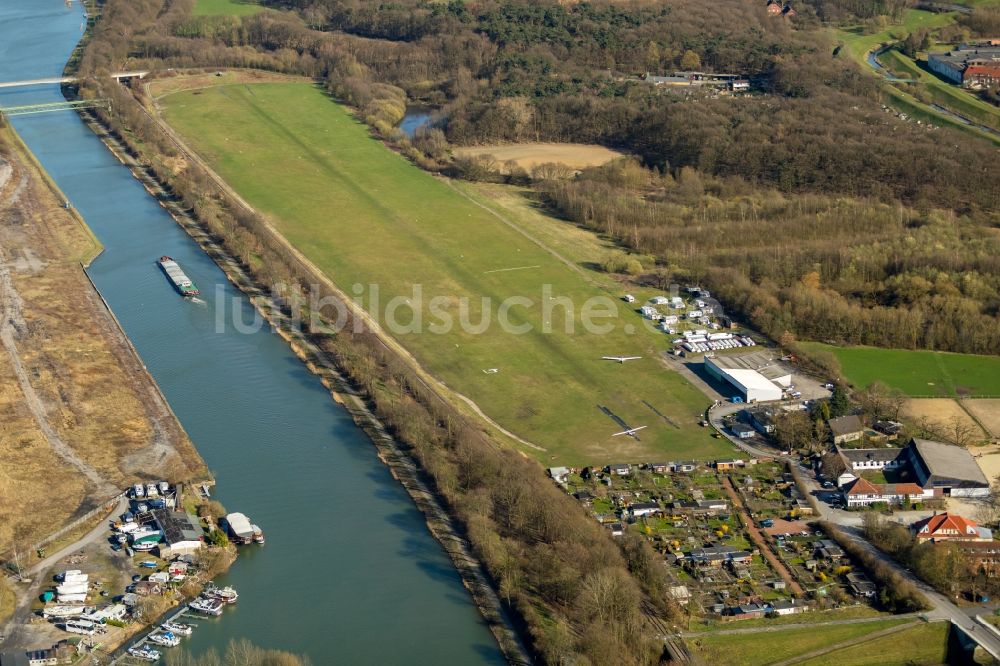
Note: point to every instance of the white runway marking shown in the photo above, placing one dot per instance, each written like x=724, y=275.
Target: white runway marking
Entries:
x=504, y=270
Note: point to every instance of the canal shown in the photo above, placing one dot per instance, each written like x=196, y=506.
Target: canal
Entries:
x=350, y=573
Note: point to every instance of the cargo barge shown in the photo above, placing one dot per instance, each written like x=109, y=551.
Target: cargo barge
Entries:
x=182, y=283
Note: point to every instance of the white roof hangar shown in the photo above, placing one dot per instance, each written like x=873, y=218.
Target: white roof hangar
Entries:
x=758, y=376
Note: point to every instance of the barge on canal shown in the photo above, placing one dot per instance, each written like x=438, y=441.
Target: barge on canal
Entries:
x=182, y=283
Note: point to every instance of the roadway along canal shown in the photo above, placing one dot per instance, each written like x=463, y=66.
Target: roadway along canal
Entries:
x=350, y=573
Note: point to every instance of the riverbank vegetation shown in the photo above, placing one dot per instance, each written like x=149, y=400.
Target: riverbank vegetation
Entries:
x=243, y=653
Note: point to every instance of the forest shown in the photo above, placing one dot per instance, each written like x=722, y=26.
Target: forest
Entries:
x=899, y=231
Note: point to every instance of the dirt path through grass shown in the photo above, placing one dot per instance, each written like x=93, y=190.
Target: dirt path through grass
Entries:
x=844, y=644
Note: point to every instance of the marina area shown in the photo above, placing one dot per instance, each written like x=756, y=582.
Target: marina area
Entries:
x=281, y=450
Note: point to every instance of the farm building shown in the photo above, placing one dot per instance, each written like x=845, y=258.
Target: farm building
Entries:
x=757, y=377
x=846, y=464
x=846, y=429
x=946, y=470
x=862, y=492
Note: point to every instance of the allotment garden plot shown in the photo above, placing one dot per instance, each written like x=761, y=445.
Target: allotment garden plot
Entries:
x=365, y=216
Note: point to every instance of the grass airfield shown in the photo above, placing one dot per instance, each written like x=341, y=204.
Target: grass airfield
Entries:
x=366, y=216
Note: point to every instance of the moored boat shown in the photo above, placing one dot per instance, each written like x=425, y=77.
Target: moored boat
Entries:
x=145, y=653
x=177, y=628
x=207, y=606
x=226, y=594
x=182, y=283
x=258, y=534
x=166, y=639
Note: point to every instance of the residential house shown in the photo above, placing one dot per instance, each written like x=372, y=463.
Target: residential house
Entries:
x=145, y=588
x=845, y=465
x=746, y=611
x=861, y=586
x=950, y=527
x=785, y=607
x=762, y=418
x=862, y=492
x=640, y=509
x=828, y=549
x=970, y=66
x=558, y=474
x=890, y=429
x=846, y=429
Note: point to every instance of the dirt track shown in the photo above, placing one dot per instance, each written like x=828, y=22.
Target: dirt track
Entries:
x=758, y=538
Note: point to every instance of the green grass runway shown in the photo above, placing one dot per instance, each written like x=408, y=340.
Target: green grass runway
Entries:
x=365, y=215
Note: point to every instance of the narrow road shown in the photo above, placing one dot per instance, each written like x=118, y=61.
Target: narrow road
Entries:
x=758, y=538
x=944, y=608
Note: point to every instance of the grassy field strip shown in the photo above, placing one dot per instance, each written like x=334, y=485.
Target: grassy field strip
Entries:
x=925, y=643
x=227, y=8
x=781, y=643
x=919, y=373
x=849, y=643
x=364, y=215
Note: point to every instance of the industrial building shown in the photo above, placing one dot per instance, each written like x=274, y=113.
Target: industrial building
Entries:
x=976, y=66
x=757, y=377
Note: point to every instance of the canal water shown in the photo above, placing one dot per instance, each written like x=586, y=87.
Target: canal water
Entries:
x=350, y=573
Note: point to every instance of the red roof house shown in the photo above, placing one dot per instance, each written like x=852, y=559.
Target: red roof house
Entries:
x=949, y=527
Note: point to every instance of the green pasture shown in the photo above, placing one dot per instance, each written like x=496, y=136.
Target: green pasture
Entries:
x=366, y=216
x=918, y=373
x=226, y=7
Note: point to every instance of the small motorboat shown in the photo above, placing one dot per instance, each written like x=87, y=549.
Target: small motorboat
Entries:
x=177, y=628
x=207, y=606
x=145, y=653
x=166, y=639
x=225, y=594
